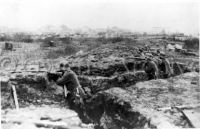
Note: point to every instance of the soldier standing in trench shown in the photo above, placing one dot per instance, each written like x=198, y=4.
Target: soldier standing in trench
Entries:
x=76, y=93
x=70, y=79
x=146, y=48
x=166, y=70
x=151, y=69
x=141, y=53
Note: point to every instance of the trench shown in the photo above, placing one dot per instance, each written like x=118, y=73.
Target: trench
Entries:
x=32, y=89
x=39, y=107
x=102, y=109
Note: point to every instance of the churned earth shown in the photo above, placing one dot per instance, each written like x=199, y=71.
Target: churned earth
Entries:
x=121, y=97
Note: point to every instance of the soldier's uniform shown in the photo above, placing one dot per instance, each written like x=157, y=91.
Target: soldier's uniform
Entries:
x=70, y=79
x=146, y=48
x=151, y=69
x=76, y=94
x=141, y=53
x=165, y=67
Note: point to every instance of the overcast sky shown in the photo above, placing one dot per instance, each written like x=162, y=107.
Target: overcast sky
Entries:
x=137, y=16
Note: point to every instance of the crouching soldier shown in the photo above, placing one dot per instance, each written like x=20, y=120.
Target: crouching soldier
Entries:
x=151, y=69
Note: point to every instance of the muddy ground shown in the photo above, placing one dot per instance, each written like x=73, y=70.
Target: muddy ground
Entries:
x=121, y=95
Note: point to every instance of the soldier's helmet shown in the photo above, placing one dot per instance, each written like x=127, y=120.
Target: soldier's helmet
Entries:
x=64, y=64
x=67, y=65
x=147, y=58
x=61, y=65
x=158, y=51
x=162, y=54
x=140, y=50
x=162, y=57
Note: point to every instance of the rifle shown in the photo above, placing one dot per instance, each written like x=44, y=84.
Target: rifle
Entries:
x=54, y=76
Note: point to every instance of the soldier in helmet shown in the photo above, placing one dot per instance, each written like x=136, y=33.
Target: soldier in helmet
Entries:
x=165, y=68
x=70, y=79
x=158, y=52
x=76, y=93
x=146, y=48
x=151, y=69
x=141, y=53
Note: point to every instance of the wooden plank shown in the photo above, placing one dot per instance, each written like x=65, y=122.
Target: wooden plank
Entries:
x=15, y=97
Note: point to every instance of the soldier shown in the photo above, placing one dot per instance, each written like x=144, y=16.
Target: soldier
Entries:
x=165, y=67
x=71, y=81
x=146, y=48
x=141, y=53
x=151, y=69
x=76, y=94
x=158, y=52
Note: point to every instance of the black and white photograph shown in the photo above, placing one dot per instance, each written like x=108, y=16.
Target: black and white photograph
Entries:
x=99, y=64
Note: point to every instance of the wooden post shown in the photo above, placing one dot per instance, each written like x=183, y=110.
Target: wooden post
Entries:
x=15, y=96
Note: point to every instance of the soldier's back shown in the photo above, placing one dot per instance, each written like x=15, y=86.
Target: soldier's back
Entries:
x=72, y=81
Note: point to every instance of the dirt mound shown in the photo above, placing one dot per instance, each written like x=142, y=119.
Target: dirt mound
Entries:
x=96, y=84
x=140, y=106
x=105, y=61
x=31, y=88
x=179, y=90
x=115, y=59
x=34, y=88
x=112, y=109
